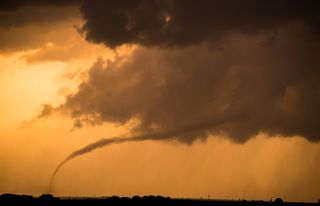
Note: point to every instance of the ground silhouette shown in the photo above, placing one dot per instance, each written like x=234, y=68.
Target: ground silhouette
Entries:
x=49, y=200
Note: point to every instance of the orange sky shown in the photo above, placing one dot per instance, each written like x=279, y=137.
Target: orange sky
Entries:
x=262, y=168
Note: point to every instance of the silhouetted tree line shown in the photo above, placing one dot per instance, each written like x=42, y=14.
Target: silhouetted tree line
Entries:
x=49, y=200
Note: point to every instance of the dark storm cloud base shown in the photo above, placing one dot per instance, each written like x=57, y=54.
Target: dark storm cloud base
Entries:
x=10, y=199
x=168, y=23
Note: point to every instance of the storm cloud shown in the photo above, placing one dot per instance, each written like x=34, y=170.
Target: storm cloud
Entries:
x=251, y=66
x=10, y=5
x=167, y=23
x=248, y=85
x=30, y=24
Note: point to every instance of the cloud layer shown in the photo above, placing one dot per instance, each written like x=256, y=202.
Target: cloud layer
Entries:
x=247, y=86
x=167, y=23
x=229, y=67
x=28, y=24
x=11, y=5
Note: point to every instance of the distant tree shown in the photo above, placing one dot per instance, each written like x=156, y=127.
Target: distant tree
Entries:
x=46, y=197
x=136, y=197
x=278, y=200
x=114, y=197
x=14, y=199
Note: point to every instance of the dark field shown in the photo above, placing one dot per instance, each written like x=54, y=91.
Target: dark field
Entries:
x=11, y=199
